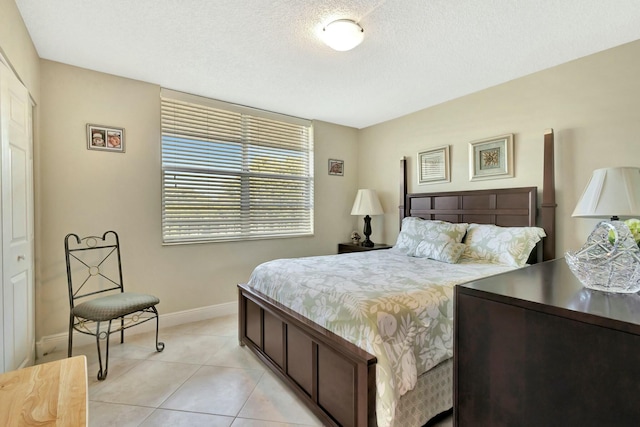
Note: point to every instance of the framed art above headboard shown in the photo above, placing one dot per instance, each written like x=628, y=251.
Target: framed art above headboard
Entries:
x=506, y=207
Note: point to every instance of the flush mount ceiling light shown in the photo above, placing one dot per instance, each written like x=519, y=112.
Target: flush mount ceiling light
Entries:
x=343, y=34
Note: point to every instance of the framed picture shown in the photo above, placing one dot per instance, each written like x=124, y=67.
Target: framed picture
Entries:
x=336, y=167
x=491, y=158
x=433, y=165
x=106, y=138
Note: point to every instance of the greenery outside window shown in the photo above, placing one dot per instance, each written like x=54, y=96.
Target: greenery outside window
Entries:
x=233, y=173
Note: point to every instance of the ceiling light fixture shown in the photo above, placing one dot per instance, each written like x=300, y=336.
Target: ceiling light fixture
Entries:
x=343, y=34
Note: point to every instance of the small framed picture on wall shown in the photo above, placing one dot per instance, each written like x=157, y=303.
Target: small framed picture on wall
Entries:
x=433, y=165
x=336, y=167
x=491, y=158
x=105, y=138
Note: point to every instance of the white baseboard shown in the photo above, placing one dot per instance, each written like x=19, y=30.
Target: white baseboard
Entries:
x=58, y=342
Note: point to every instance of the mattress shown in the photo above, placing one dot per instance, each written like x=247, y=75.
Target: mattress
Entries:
x=396, y=307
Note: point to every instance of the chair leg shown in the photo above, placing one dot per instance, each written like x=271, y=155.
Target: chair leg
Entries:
x=159, y=345
x=70, y=343
x=102, y=373
x=122, y=330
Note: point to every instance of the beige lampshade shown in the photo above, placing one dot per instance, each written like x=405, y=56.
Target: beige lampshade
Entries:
x=367, y=203
x=611, y=192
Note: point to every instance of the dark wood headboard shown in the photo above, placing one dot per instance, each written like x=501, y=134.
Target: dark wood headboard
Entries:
x=506, y=207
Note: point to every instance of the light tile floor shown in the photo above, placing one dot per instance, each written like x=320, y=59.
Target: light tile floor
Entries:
x=202, y=378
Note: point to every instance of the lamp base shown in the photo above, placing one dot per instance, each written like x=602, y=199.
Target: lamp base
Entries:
x=608, y=266
x=367, y=243
x=367, y=232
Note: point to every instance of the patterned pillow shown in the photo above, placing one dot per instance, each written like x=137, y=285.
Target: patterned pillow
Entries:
x=414, y=230
x=501, y=245
x=448, y=251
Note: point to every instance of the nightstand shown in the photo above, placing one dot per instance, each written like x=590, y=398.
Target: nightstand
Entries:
x=344, y=248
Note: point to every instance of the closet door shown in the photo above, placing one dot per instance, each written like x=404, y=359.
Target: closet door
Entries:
x=18, y=334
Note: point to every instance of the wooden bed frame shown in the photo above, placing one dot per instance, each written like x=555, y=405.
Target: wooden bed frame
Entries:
x=335, y=378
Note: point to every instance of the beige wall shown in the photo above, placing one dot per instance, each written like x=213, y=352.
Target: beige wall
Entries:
x=89, y=192
x=593, y=105
x=16, y=45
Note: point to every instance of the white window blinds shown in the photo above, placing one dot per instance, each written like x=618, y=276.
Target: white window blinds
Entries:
x=233, y=173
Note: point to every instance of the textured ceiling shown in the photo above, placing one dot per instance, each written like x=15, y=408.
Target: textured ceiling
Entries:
x=267, y=54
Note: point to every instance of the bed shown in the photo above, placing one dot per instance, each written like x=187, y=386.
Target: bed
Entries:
x=338, y=370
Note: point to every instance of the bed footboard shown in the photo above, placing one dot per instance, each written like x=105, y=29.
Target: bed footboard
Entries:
x=335, y=378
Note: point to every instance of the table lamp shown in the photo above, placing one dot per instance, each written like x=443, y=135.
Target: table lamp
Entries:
x=610, y=259
x=367, y=203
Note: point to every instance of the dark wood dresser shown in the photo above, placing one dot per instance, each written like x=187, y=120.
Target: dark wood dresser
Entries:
x=533, y=347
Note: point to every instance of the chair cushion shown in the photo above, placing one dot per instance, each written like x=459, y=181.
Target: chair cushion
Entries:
x=114, y=306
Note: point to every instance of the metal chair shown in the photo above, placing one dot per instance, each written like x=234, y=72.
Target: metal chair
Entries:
x=94, y=274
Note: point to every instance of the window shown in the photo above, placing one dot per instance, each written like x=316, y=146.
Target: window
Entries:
x=232, y=172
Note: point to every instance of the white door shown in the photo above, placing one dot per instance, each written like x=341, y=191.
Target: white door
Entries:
x=18, y=333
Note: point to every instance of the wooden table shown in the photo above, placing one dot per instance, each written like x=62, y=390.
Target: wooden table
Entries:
x=51, y=394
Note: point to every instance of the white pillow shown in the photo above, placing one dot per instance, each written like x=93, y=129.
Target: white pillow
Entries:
x=501, y=245
x=449, y=251
x=414, y=230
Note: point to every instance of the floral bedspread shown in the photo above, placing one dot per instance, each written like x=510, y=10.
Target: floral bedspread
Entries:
x=396, y=307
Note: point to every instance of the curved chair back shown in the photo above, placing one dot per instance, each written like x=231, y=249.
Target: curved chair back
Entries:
x=93, y=265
